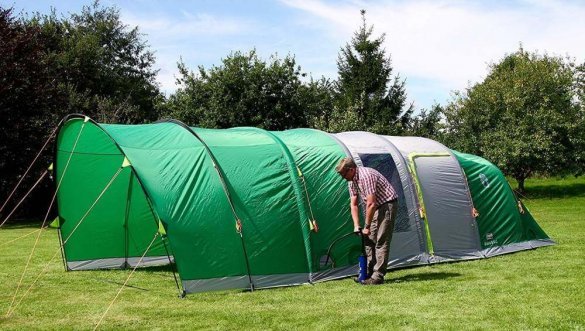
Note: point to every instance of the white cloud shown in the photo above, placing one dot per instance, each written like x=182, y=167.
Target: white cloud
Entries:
x=452, y=42
x=189, y=25
x=186, y=36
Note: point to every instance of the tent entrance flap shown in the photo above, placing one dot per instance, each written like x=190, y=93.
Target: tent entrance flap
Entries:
x=446, y=205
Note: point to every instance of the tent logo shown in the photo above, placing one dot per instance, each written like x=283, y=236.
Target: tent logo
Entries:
x=484, y=180
x=490, y=240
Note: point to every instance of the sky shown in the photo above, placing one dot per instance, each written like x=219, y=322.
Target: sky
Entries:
x=438, y=46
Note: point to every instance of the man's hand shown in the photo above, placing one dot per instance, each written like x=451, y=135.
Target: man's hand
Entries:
x=366, y=231
x=357, y=229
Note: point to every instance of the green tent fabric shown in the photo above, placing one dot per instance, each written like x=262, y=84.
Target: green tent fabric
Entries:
x=237, y=208
x=503, y=219
x=122, y=224
x=182, y=172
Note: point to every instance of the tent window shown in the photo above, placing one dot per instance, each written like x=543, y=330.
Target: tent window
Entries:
x=386, y=166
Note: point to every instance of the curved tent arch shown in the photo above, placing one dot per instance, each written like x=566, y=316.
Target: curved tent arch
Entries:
x=295, y=173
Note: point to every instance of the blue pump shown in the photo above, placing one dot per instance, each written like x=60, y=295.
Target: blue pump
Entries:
x=363, y=261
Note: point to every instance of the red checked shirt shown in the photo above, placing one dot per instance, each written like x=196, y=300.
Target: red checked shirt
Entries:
x=369, y=181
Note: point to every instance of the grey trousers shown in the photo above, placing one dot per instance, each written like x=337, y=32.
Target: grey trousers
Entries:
x=378, y=242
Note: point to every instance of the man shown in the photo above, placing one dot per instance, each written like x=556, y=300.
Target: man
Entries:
x=380, y=200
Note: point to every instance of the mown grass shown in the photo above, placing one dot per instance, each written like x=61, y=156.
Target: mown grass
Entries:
x=538, y=289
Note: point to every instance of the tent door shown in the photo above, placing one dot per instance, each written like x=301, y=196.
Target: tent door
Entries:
x=451, y=226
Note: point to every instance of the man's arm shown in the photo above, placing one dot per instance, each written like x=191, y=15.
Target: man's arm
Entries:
x=370, y=210
x=355, y=212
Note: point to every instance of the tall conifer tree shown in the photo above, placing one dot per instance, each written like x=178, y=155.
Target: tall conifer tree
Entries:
x=367, y=96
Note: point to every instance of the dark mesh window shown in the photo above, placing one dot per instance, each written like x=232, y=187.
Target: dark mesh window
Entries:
x=385, y=165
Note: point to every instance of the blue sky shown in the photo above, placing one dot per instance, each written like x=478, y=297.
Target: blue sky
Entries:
x=437, y=46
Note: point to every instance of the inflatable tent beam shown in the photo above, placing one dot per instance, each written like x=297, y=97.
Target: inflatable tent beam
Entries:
x=224, y=185
x=295, y=174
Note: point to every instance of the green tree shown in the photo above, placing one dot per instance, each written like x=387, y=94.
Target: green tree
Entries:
x=523, y=116
x=367, y=97
x=102, y=65
x=28, y=100
x=428, y=123
x=246, y=91
x=87, y=63
x=578, y=136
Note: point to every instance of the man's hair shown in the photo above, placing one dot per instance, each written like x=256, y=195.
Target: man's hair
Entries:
x=345, y=164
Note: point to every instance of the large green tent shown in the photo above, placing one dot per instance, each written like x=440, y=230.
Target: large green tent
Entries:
x=249, y=208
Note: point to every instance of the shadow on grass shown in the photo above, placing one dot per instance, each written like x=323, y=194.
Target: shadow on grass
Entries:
x=21, y=224
x=555, y=191
x=423, y=277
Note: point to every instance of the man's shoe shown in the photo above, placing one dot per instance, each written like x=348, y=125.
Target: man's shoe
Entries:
x=373, y=281
x=357, y=279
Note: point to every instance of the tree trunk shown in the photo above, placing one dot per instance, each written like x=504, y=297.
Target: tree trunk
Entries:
x=521, y=188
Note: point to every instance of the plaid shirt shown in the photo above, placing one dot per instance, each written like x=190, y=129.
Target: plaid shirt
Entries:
x=369, y=181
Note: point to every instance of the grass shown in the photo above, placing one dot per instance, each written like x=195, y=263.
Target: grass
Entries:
x=538, y=289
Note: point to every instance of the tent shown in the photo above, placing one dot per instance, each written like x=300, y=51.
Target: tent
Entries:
x=246, y=208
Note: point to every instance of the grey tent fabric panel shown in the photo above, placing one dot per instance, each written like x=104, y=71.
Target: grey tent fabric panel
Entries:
x=266, y=281
x=448, y=208
x=242, y=282
x=408, y=261
x=374, y=151
x=335, y=273
x=216, y=284
x=118, y=263
x=515, y=247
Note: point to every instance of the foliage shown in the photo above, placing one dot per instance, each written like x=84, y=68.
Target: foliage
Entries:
x=88, y=63
x=103, y=66
x=540, y=289
x=29, y=98
x=428, y=123
x=523, y=117
x=367, y=98
x=247, y=91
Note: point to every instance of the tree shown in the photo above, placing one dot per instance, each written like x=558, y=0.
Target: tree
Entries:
x=28, y=100
x=428, y=123
x=103, y=65
x=89, y=63
x=245, y=91
x=578, y=136
x=367, y=97
x=523, y=116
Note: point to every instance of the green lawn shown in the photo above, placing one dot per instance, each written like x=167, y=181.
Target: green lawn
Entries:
x=539, y=289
